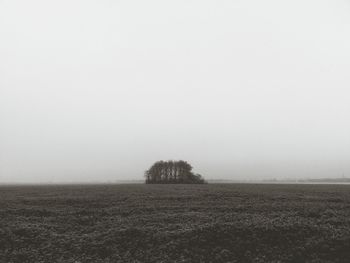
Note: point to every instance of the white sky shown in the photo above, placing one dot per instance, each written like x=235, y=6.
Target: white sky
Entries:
x=99, y=90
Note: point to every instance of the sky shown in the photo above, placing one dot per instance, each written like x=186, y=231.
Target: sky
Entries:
x=100, y=90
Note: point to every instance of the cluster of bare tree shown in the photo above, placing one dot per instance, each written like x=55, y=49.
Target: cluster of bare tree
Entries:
x=168, y=172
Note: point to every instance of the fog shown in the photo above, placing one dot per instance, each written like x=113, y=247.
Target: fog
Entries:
x=99, y=90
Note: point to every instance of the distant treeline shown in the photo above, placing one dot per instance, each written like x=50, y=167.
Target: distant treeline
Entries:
x=172, y=172
x=326, y=180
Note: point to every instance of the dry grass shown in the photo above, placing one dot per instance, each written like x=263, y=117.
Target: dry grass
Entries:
x=175, y=223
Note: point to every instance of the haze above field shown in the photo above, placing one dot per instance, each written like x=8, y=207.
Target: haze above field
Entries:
x=99, y=90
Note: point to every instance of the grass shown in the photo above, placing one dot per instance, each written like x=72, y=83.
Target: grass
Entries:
x=175, y=223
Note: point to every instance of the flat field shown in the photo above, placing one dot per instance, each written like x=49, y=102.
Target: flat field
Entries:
x=175, y=223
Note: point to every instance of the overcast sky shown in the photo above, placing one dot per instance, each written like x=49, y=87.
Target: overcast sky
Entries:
x=99, y=90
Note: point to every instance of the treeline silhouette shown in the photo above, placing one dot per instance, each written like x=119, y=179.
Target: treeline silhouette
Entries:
x=172, y=172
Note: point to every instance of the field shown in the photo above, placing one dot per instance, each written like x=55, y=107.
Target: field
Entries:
x=175, y=223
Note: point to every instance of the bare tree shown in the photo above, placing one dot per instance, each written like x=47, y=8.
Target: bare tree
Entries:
x=162, y=172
